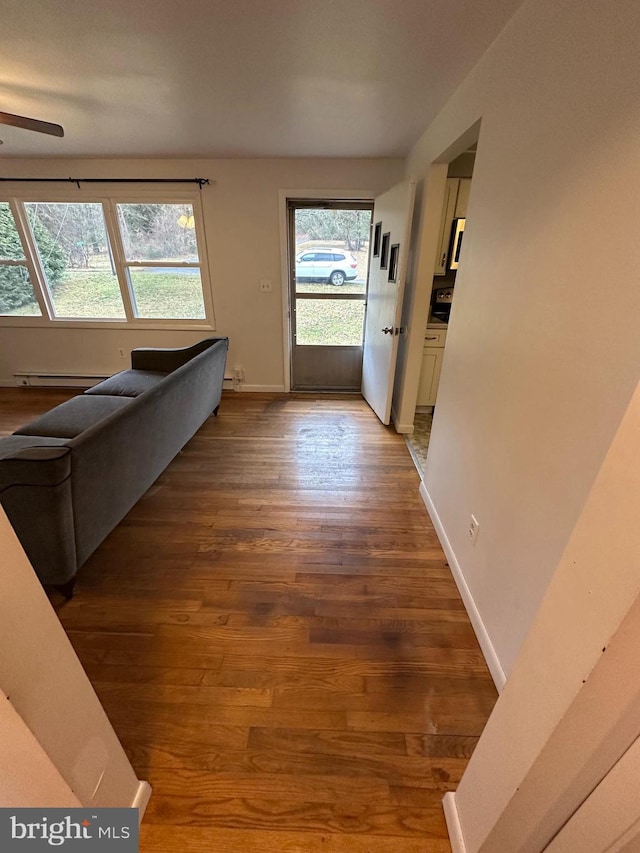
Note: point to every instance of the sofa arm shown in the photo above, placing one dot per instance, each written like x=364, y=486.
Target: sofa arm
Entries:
x=27, y=460
x=168, y=360
x=35, y=493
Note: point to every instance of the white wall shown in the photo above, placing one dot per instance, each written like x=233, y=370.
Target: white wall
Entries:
x=610, y=818
x=571, y=706
x=243, y=242
x=41, y=676
x=543, y=350
x=28, y=778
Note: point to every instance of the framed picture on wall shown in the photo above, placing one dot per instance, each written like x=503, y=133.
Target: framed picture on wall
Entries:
x=394, y=254
x=384, y=251
x=377, y=236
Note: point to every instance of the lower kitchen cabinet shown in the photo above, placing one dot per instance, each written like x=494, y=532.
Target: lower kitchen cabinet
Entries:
x=432, y=354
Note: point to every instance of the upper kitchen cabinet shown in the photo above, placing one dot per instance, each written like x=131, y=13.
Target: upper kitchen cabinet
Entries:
x=462, y=200
x=456, y=198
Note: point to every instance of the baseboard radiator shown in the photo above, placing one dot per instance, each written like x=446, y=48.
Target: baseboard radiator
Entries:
x=77, y=380
x=58, y=380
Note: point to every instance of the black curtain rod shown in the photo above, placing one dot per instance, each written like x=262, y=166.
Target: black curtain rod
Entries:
x=199, y=181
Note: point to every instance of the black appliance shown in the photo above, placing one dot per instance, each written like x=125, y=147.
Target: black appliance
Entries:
x=441, y=303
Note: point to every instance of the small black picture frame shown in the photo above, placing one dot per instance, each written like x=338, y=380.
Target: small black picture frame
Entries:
x=384, y=251
x=377, y=234
x=394, y=254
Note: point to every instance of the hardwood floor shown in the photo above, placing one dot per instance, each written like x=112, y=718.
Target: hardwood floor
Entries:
x=277, y=639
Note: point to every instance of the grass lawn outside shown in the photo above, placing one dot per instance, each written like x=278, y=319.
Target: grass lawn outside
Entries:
x=177, y=295
x=329, y=323
x=94, y=293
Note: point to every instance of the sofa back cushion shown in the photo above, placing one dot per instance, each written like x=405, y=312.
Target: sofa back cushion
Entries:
x=112, y=468
x=128, y=383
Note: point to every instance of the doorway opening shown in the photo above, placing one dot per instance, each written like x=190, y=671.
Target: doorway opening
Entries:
x=442, y=295
x=328, y=281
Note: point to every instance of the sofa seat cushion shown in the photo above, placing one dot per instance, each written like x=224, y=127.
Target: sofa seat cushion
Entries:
x=33, y=460
x=128, y=383
x=75, y=416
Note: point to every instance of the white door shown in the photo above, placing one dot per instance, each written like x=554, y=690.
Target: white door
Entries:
x=392, y=213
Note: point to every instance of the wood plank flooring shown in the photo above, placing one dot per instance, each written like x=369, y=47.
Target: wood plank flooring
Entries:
x=277, y=639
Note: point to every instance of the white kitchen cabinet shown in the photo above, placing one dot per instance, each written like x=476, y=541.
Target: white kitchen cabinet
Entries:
x=435, y=337
x=448, y=214
x=432, y=354
x=456, y=198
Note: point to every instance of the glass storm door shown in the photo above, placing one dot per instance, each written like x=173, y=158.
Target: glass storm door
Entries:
x=328, y=274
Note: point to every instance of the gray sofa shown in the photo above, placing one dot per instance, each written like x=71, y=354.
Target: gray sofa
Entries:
x=69, y=477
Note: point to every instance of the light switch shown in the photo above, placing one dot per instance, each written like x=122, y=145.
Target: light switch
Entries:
x=265, y=285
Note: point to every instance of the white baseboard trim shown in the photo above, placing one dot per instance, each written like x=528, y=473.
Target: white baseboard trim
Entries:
x=404, y=429
x=453, y=823
x=141, y=799
x=490, y=656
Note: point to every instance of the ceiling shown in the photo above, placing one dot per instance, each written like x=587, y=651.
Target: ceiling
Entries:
x=236, y=78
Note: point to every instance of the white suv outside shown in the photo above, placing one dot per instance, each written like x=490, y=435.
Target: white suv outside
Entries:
x=332, y=265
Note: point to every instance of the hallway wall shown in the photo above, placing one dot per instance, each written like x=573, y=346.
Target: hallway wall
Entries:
x=537, y=373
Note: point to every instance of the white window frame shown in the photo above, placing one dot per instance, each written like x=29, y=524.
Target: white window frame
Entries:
x=108, y=198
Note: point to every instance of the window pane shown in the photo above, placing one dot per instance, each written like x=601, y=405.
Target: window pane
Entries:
x=158, y=232
x=340, y=238
x=10, y=245
x=75, y=254
x=167, y=293
x=329, y=323
x=16, y=293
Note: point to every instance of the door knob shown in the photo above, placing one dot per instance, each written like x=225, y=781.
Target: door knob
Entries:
x=388, y=330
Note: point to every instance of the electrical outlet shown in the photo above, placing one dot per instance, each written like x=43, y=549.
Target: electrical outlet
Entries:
x=265, y=285
x=238, y=374
x=121, y=352
x=474, y=526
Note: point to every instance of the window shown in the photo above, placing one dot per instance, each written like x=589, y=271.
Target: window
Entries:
x=161, y=259
x=76, y=259
x=17, y=294
x=110, y=260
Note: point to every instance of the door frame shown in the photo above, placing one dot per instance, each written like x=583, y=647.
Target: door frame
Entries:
x=284, y=195
x=430, y=194
x=344, y=360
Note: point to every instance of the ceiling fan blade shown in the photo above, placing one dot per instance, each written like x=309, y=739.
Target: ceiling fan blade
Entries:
x=31, y=124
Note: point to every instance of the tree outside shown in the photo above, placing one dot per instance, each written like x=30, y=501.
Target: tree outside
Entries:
x=16, y=290
x=348, y=226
